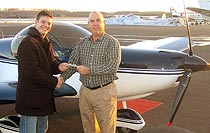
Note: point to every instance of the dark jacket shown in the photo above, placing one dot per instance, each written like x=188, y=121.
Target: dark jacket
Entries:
x=36, y=66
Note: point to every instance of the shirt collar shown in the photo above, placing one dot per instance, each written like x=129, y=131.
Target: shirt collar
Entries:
x=100, y=38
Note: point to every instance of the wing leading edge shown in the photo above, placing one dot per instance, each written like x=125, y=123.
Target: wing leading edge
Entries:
x=170, y=43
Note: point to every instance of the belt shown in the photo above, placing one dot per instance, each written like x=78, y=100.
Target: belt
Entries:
x=100, y=86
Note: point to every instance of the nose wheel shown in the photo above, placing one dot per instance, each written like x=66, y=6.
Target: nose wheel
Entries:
x=129, y=120
x=125, y=130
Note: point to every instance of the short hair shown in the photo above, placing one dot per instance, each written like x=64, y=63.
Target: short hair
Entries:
x=97, y=12
x=44, y=13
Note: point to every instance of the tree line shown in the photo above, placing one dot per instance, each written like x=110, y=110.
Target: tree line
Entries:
x=31, y=13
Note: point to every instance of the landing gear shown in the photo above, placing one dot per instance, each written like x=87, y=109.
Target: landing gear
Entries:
x=129, y=121
x=125, y=130
x=9, y=124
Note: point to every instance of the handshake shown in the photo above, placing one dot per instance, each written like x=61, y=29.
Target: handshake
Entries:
x=83, y=70
x=60, y=82
x=62, y=67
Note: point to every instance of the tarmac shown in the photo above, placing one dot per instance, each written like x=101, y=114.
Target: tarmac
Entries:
x=193, y=115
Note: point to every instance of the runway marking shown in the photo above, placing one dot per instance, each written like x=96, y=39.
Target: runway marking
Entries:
x=140, y=105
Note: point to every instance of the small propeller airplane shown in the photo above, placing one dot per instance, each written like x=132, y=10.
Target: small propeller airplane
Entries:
x=162, y=63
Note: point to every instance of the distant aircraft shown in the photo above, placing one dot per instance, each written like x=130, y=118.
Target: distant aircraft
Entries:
x=193, y=17
x=203, y=10
x=177, y=17
x=146, y=68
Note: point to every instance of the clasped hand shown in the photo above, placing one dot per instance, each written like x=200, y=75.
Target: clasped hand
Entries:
x=83, y=70
x=60, y=82
x=63, y=67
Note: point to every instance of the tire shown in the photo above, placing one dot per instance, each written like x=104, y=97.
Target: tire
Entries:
x=125, y=130
x=126, y=113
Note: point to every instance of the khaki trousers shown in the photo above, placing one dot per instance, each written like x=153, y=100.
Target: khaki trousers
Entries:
x=98, y=109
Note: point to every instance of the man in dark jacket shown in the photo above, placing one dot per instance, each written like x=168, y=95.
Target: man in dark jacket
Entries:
x=36, y=66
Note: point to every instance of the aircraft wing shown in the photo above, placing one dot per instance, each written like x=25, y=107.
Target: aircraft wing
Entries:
x=5, y=48
x=170, y=43
x=204, y=12
x=8, y=92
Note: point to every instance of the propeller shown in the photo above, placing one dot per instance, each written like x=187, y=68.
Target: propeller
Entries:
x=192, y=63
x=185, y=80
x=179, y=95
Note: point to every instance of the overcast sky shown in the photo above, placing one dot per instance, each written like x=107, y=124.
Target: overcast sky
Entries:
x=100, y=5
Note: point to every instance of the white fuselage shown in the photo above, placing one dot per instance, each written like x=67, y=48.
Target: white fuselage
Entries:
x=137, y=83
x=132, y=83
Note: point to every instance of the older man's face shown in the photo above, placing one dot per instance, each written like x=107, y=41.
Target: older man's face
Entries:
x=96, y=24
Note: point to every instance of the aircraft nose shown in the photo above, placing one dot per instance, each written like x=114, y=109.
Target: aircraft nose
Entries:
x=196, y=63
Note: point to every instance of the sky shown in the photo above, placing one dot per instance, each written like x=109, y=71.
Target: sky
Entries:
x=100, y=5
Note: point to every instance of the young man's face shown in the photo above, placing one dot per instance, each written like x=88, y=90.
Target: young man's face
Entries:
x=43, y=25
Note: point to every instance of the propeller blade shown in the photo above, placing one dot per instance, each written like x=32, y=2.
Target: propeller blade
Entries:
x=188, y=31
x=179, y=95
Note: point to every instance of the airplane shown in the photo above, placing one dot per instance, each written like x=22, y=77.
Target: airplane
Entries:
x=177, y=17
x=193, y=18
x=203, y=11
x=162, y=62
x=196, y=16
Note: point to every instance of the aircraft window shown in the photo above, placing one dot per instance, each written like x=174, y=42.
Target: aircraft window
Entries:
x=57, y=50
x=54, y=39
x=57, y=46
x=68, y=34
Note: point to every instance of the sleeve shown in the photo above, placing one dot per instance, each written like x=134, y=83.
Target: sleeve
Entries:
x=73, y=59
x=54, y=62
x=28, y=61
x=112, y=62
